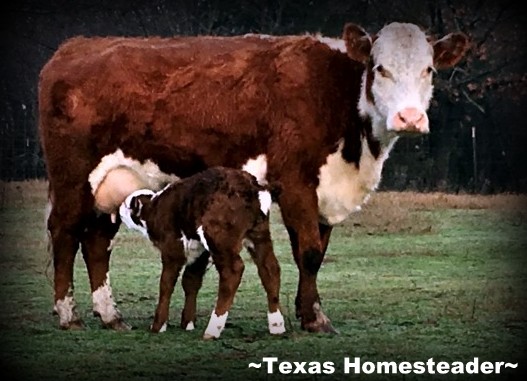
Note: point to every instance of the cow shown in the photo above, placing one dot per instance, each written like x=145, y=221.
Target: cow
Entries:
x=213, y=213
x=318, y=116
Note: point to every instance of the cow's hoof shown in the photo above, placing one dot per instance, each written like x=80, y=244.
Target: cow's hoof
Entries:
x=156, y=328
x=321, y=324
x=318, y=327
x=75, y=325
x=118, y=325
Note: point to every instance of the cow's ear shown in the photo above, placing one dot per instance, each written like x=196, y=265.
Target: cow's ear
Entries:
x=449, y=50
x=358, y=43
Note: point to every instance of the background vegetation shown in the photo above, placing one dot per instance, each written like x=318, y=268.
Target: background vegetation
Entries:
x=413, y=276
x=485, y=93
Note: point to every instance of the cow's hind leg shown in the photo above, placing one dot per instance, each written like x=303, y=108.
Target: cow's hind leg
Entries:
x=64, y=236
x=191, y=282
x=96, y=247
x=258, y=243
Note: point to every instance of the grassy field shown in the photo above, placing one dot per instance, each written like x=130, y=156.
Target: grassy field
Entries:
x=412, y=277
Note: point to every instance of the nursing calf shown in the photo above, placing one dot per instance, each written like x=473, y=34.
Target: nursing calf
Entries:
x=215, y=211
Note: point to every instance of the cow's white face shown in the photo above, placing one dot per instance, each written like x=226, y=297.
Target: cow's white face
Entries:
x=402, y=65
x=399, y=66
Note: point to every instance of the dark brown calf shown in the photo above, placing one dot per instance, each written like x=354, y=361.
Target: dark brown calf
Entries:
x=216, y=211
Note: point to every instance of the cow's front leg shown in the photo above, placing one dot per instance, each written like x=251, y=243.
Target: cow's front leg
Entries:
x=325, y=234
x=260, y=246
x=96, y=247
x=300, y=216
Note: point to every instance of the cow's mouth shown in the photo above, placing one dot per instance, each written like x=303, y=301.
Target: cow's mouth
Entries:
x=411, y=132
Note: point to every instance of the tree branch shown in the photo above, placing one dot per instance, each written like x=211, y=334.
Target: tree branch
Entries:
x=473, y=102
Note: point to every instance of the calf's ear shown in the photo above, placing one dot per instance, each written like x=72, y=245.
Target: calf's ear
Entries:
x=449, y=50
x=135, y=206
x=358, y=43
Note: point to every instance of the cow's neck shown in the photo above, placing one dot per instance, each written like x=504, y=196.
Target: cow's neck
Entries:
x=353, y=172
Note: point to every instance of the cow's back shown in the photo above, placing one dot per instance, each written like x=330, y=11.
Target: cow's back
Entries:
x=195, y=102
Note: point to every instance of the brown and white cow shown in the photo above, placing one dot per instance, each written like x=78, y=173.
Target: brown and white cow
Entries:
x=212, y=213
x=318, y=116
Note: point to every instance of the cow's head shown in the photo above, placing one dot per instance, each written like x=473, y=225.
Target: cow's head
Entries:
x=132, y=210
x=400, y=62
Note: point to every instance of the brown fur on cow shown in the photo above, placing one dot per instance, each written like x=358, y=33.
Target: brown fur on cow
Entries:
x=181, y=105
x=218, y=210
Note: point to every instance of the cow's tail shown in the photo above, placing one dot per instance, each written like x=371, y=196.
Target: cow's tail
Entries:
x=49, y=246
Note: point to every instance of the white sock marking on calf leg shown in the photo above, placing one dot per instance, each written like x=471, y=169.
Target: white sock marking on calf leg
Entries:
x=276, y=323
x=201, y=235
x=265, y=201
x=103, y=302
x=216, y=325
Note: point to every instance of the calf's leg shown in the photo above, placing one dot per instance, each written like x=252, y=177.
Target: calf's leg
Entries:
x=230, y=268
x=191, y=282
x=173, y=259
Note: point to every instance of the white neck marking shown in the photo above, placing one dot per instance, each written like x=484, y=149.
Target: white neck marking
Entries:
x=343, y=188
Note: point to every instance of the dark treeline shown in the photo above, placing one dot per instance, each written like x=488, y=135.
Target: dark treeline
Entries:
x=477, y=137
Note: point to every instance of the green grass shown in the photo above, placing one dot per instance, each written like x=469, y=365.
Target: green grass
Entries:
x=419, y=282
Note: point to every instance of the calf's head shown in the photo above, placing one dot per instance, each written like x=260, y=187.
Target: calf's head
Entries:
x=132, y=210
x=400, y=62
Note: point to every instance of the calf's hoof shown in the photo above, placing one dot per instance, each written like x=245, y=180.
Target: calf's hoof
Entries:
x=209, y=337
x=188, y=326
x=276, y=323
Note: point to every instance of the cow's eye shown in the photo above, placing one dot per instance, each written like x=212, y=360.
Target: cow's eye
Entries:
x=429, y=70
x=382, y=71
